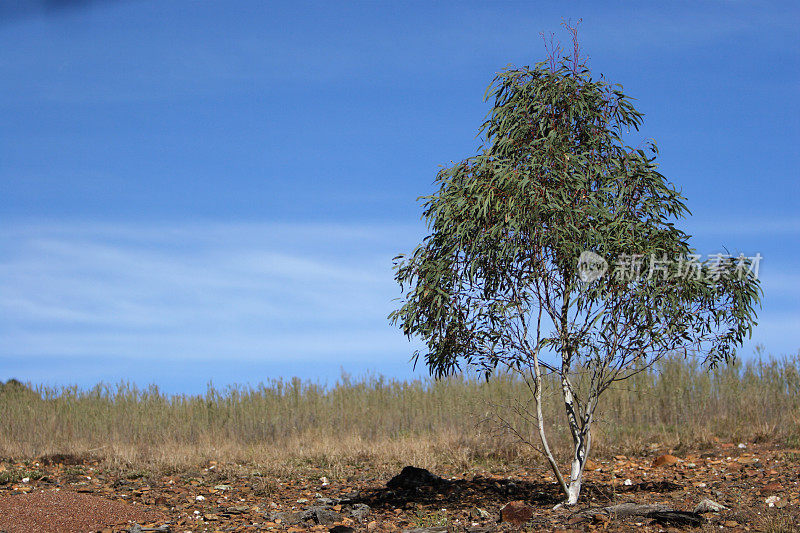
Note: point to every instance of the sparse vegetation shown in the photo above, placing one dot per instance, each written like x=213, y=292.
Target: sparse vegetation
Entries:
x=430, y=519
x=378, y=421
x=17, y=475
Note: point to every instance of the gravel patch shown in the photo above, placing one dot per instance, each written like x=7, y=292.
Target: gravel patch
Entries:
x=67, y=512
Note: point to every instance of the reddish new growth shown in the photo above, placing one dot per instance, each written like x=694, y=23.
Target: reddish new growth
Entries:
x=554, y=49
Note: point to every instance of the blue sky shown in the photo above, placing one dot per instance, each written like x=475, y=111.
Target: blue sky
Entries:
x=195, y=191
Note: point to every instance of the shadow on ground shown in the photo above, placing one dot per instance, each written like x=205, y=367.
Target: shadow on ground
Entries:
x=416, y=486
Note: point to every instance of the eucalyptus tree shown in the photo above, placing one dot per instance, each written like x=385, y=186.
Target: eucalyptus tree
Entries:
x=554, y=250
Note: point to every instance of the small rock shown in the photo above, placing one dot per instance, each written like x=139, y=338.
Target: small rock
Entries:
x=324, y=482
x=360, y=511
x=742, y=446
x=591, y=466
x=772, y=500
x=222, y=487
x=322, y=515
x=665, y=460
x=730, y=523
x=516, y=513
x=627, y=482
x=709, y=506
x=287, y=517
x=479, y=513
x=200, y=498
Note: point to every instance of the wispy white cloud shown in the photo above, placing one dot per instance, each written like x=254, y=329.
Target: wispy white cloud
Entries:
x=204, y=291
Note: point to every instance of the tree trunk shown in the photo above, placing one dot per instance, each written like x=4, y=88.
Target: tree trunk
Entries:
x=537, y=396
x=579, y=458
x=579, y=424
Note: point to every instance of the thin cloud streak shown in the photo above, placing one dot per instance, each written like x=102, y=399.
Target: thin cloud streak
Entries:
x=199, y=292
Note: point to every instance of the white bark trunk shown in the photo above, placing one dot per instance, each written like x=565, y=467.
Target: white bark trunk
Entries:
x=540, y=419
x=580, y=425
x=573, y=491
x=576, y=473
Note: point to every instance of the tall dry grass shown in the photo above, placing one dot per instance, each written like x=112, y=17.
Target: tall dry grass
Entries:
x=382, y=421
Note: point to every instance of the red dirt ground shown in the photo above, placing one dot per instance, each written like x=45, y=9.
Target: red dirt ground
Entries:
x=759, y=484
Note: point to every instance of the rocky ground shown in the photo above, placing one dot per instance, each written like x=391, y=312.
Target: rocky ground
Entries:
x=742, y=487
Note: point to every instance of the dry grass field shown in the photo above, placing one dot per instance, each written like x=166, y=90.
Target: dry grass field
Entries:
x=277, y=440
x=424, y=422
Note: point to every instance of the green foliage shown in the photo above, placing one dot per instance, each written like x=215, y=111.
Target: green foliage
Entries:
x=425, y=519
x=15, y=476
x=497, y=278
